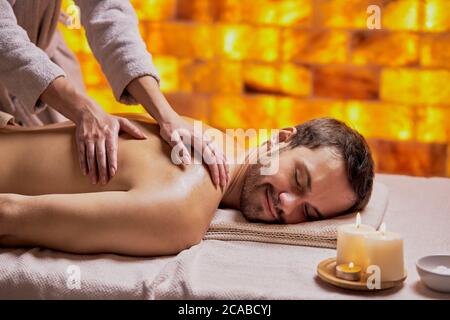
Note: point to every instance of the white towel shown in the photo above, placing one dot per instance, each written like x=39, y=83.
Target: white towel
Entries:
x=231, y=225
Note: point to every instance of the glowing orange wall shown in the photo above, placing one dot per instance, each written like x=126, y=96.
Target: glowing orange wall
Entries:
x=274, y=63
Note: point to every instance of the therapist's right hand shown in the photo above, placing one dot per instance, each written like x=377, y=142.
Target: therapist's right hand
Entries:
x=97, y=135
x=97, y=132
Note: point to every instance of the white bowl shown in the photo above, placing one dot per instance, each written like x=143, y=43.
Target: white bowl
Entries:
x=434, y=272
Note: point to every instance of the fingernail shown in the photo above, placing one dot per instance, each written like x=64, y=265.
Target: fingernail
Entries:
x=186, y=160
x=113, y=171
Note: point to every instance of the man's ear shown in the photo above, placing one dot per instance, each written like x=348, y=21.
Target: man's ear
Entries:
x=282, y=135
x=286, y=134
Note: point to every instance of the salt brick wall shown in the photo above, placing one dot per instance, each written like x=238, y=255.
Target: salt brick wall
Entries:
x=275, y=63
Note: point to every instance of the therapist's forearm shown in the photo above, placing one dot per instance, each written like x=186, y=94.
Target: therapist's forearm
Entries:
x=147, y=92
x=62, y=96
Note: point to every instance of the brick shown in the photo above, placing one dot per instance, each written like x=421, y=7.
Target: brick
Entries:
x=242, y=42
x=395, y=15
x=168, y=68
x=232, y=41
x=435, y=50
x=322, y=46
x=245, y=111
x=160, y=36
x=195, y=76
x=437, y=16
x=384, y=48
x=202, y=39
x=381, y=120
x=287, y=79
x=346, y=82
x=281, y=13
x=264, y=44
x=264, y=111
x=410, y=158
x=298, y=111
x=92, y=73
x=181, y=40
x=433, y=124
x=76, y=40
x=415, y=86
x=155, y=10
x=402, y=15
x=197, y=10
x=228, y=77
x=341, y=13
x=190, y=105
x=232, y=11
x=105, y=98
x=266, y=12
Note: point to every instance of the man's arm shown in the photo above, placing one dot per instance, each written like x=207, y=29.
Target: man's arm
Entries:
x=124, y=222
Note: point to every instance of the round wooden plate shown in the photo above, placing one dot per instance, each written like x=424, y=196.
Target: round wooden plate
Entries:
x=326, y=272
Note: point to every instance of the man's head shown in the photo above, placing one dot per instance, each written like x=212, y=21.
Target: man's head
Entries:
x=325, y=169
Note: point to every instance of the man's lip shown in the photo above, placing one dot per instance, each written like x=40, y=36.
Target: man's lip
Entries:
x=269, y=206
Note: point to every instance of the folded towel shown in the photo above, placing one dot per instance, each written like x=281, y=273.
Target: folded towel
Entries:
x=5, y=118
x=231, y=225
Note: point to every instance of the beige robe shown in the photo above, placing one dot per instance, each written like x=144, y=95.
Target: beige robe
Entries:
x=33, y=53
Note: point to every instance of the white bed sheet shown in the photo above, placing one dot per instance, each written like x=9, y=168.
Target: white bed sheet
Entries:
x=419, y=209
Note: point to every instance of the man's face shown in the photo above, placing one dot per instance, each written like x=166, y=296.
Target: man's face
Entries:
x=309, y=185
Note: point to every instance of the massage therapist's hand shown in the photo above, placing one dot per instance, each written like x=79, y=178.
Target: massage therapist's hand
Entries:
x=97, y=135
x=176, y=130
x=97, y=132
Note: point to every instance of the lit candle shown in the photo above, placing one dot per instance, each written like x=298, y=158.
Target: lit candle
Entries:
x=350, y=243
x=348, y=271
x=385, y=250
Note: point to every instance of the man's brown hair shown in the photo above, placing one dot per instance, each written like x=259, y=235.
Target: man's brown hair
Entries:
x=350, y=146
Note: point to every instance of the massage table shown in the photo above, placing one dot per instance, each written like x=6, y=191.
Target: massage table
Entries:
x=418, y=208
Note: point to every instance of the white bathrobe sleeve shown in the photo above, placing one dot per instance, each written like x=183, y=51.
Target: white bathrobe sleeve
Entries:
x=25, y=70
x=113, y=35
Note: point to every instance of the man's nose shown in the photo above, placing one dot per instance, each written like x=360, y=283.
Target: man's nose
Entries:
x=289, y=202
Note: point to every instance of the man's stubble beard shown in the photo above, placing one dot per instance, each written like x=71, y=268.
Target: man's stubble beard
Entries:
x=252, y=210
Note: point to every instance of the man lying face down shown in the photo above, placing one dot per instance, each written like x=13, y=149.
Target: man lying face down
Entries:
x=153, y=207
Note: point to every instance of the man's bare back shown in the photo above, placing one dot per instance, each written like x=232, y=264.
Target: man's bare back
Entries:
x=46, y=159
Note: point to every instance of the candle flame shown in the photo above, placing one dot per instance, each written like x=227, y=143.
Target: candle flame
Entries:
x=383, y=228
x=351, y=265
x=358, y=220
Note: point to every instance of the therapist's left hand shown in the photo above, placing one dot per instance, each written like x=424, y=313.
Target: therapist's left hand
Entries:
x=177, y=131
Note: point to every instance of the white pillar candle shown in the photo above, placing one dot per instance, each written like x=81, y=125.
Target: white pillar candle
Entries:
x=350, y=243
x=385, y=250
